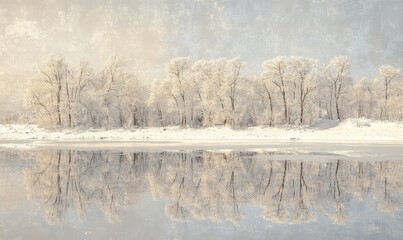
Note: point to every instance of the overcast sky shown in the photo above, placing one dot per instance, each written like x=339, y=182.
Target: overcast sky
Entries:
x=147, y=33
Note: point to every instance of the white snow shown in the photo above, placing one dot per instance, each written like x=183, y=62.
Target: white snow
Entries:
x=350, y=130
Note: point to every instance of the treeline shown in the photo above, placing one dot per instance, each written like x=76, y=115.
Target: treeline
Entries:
x=204, y=93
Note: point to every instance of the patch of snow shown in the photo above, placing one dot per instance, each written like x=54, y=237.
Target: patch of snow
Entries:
x=359, y=130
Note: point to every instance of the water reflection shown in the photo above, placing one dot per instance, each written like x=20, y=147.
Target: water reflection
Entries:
x=211, y=186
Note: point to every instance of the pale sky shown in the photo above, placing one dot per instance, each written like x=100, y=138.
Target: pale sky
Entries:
x=147, y=33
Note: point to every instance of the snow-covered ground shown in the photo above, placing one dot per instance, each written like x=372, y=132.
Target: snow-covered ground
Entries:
x=356, y=130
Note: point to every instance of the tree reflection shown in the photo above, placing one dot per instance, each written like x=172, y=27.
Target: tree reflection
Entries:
x=63, y=180
x=209, y=185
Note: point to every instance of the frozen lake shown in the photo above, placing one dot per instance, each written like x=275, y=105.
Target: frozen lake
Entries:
x=228, y=191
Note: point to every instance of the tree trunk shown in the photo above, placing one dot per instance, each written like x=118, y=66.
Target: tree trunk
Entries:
x=337, y=110
x=68, y=103
x=59, y=117
x=271, y=120
x=301, y=100
x=301, y=117
x=386, y=99
x=285, y=108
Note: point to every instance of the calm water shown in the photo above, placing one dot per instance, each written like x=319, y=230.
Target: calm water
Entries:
x=105, y=194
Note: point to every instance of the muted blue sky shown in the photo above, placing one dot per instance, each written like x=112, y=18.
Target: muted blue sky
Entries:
x=147, y=33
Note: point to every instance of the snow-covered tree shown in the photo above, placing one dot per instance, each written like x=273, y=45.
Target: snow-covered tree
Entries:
x=47, y=94
x=362, y=101
x=339, y=82
x=76, y=88
x=305, y=74
x=264, y=88
x=157, y=104
x=387, y=74
x=214, y=92
x=232, y=82
x=178, y=70
x=201, y=76
x=216, y=89
x=276, y=71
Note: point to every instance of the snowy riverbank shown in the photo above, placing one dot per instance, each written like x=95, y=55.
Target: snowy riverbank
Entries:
x=323, y=131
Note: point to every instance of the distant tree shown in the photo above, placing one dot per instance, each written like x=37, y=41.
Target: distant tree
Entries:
x=233, y=82
x=76, y=84
x=305, y=73
x=157, y=103
x=216, y=84
x=215, y=91
x=338, y=73
x=387, y=75
x=201, y=74
x=362, y=98
x=265, y=88
x=121, y=97
x=47, y=93
x=276, y=70
x=178, y=70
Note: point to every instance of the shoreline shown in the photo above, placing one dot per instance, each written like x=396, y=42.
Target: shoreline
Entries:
x=348, y=131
